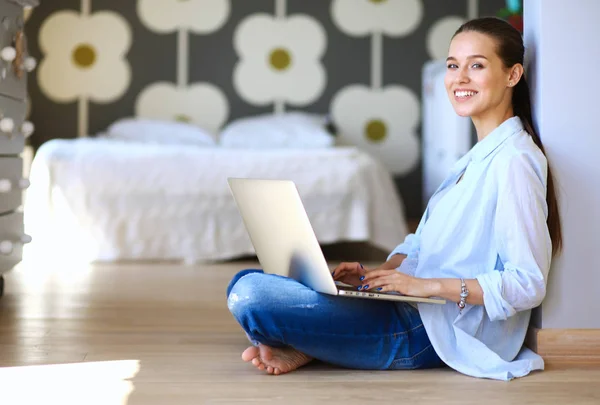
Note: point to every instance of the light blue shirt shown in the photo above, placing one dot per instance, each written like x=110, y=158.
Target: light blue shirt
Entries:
x=491, y=226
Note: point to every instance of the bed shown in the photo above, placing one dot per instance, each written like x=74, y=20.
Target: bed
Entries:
x=108, y=200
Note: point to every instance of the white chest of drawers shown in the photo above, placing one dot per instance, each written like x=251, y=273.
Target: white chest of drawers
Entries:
x=15, y=63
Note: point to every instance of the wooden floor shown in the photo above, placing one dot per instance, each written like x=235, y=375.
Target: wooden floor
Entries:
x=161, y=334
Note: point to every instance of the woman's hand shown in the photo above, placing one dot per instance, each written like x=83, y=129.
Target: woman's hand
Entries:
x=349, y=273
x=393, y=280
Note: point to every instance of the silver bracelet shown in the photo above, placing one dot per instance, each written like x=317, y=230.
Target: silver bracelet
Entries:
x=464, y=293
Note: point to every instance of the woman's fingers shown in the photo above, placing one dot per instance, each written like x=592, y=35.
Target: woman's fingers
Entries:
x=384, y=280
x=346, y=268
x=373, y=284
x=374, y=274
x=339, y=270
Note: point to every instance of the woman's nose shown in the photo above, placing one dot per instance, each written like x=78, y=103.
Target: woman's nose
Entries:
x=462, y=76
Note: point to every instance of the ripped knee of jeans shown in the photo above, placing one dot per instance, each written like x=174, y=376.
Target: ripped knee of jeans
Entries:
x=242, y=295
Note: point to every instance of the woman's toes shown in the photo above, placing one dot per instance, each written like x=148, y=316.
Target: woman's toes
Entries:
x=250, y=353
x=270, y=370
x=257, y=363
x=277, y=371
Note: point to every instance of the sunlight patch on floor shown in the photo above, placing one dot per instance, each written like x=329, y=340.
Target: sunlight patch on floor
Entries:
x=105, y=382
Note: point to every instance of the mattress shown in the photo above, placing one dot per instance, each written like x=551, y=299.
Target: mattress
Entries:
x=111, y=200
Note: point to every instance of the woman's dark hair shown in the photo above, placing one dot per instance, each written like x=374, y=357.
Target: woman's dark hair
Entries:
x=511, y=51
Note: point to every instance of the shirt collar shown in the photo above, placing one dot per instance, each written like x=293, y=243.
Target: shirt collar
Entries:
x=495, y=138
x=483, y=148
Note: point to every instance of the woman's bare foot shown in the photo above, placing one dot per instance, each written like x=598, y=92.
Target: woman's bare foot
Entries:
x=275, y=360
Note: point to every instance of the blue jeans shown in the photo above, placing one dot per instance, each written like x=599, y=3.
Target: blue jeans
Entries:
x=346, y=332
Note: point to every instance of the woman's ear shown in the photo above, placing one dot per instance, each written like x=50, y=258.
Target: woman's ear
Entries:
x=516, y=72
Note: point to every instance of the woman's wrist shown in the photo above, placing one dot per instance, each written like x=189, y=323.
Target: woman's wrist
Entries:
x=394, y=262
x=433, y=287
x=450, y=289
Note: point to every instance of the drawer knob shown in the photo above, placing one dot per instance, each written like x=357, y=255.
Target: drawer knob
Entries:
x=5, y=185
x=27, y=128
x=7, y=125
x=24, y=183
x=6, y=247
x=29, y=64
x=8, y=54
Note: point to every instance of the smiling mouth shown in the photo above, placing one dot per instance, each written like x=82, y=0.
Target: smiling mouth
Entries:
x=464, y=94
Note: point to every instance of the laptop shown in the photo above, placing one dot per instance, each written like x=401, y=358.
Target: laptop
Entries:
x=284, y=240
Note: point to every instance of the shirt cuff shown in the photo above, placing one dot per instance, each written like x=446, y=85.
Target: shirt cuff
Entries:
x=495, y=305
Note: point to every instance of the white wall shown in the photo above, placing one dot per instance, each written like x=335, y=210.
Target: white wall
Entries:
x=562, y=41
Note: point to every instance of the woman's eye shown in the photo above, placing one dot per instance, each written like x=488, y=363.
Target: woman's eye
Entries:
x=452, y=66
x=477, y=65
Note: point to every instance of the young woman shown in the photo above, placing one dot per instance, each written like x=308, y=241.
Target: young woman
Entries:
x=484, y=243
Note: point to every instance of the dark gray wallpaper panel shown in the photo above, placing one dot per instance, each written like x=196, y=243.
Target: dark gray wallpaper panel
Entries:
x=208, y=62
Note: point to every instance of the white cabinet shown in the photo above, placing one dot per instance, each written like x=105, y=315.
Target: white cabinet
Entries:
x=446, y=136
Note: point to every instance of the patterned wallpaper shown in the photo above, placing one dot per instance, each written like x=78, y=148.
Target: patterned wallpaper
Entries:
x=211, y=61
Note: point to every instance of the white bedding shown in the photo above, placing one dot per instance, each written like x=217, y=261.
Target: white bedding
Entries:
x=107, y=200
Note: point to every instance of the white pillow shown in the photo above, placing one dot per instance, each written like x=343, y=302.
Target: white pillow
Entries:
x=159, y=132
x=287, y=130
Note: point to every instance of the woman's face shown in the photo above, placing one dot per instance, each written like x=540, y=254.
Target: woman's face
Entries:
x=476, y=80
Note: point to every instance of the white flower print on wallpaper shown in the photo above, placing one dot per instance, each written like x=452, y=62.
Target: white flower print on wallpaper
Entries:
x=202, y=104
x=199, y=104
x=362, y=17
x=199, y=16
x=439, y=35
x=380, y=120
x=84, y=58
x=279, y=59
